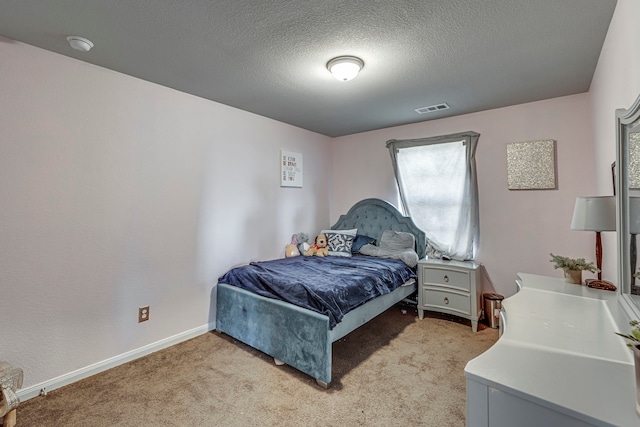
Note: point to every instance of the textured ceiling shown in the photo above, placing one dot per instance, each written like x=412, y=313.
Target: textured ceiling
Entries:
x=268, y=56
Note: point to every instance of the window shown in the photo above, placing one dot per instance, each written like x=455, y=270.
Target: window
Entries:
x=438, y=189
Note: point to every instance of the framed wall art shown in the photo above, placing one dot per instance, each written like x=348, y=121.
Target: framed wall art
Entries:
x=290, y=169
x=531, y=165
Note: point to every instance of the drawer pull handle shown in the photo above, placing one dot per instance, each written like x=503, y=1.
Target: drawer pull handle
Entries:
x=446, y=279
x=446, y=300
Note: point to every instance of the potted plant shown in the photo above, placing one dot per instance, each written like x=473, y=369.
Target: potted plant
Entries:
x=634, y=343
x=573, y=267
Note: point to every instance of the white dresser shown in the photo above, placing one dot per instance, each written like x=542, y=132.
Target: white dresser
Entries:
x=450, y=287
x=558, y=361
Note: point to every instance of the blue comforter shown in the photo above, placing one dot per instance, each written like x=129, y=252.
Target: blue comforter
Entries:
x=331, y=285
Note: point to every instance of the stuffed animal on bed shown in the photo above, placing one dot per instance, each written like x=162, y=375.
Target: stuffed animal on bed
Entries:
x=319, y=248
x=292, y=248
x=303, y=242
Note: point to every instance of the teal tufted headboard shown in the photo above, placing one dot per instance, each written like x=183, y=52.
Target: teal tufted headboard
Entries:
x=373, y=216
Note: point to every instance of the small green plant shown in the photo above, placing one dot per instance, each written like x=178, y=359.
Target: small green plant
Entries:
x=634, y=335
x=572, y=264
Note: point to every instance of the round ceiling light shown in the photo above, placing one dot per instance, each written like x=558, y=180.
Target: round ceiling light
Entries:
x=80, y=43
x=345, y=68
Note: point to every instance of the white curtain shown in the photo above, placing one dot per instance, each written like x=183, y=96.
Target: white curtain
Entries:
x=438, y=188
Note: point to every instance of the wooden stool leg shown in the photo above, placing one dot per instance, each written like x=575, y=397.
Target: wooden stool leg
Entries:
x=9, y=419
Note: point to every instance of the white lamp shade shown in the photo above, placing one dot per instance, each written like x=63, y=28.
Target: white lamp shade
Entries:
x=345, y=68
x=597, y=213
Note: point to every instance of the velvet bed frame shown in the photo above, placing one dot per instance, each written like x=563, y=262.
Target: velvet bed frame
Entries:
x=300, y=337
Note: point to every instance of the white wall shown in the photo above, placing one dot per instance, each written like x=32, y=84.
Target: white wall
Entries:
x=518, y=228
x=118, y=193
x=615, y=85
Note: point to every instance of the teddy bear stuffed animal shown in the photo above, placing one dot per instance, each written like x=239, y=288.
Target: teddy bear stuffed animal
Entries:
x=319, y=248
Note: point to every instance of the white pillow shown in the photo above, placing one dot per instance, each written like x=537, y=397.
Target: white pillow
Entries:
x=339, y=242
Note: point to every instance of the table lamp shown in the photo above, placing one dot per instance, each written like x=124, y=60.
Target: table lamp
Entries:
x=595, y=213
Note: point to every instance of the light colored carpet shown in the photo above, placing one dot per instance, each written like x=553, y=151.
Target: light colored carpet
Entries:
x=395, y=370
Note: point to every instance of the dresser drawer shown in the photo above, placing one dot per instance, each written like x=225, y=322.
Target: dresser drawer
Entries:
x=438, y=299
x=450, y=278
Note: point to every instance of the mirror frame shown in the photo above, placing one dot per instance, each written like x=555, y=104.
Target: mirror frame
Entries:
x=626, y=121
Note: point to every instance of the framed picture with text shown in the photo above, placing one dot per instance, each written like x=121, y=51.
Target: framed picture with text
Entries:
x=290, y=169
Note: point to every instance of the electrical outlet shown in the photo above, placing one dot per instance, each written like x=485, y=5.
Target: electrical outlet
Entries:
x=143, y=314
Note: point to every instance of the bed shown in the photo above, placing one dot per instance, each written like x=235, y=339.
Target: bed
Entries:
x=300, y=337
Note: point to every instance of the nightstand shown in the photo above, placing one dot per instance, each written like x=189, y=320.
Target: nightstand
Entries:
x=450, y=287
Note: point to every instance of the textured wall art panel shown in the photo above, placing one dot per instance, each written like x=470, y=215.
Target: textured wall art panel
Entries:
x=634, y=160
x=531, y=165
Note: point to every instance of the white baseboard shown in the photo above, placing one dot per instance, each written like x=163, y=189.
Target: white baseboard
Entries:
x=66, y=379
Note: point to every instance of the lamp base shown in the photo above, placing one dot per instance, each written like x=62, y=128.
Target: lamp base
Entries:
x=600, y=284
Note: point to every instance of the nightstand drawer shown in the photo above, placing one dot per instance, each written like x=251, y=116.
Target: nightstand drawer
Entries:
x=438, y=299
x=450, y=278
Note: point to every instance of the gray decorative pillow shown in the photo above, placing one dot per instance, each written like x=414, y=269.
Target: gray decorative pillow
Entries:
x=397, y=240
x=339, y=242
x=408, y=256
x=394, y=245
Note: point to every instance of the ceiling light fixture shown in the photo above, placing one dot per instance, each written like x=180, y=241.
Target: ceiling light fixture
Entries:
x=345, y=68
x=80, y=43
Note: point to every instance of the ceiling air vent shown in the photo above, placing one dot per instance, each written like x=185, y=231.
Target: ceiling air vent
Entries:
x=432, y=108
